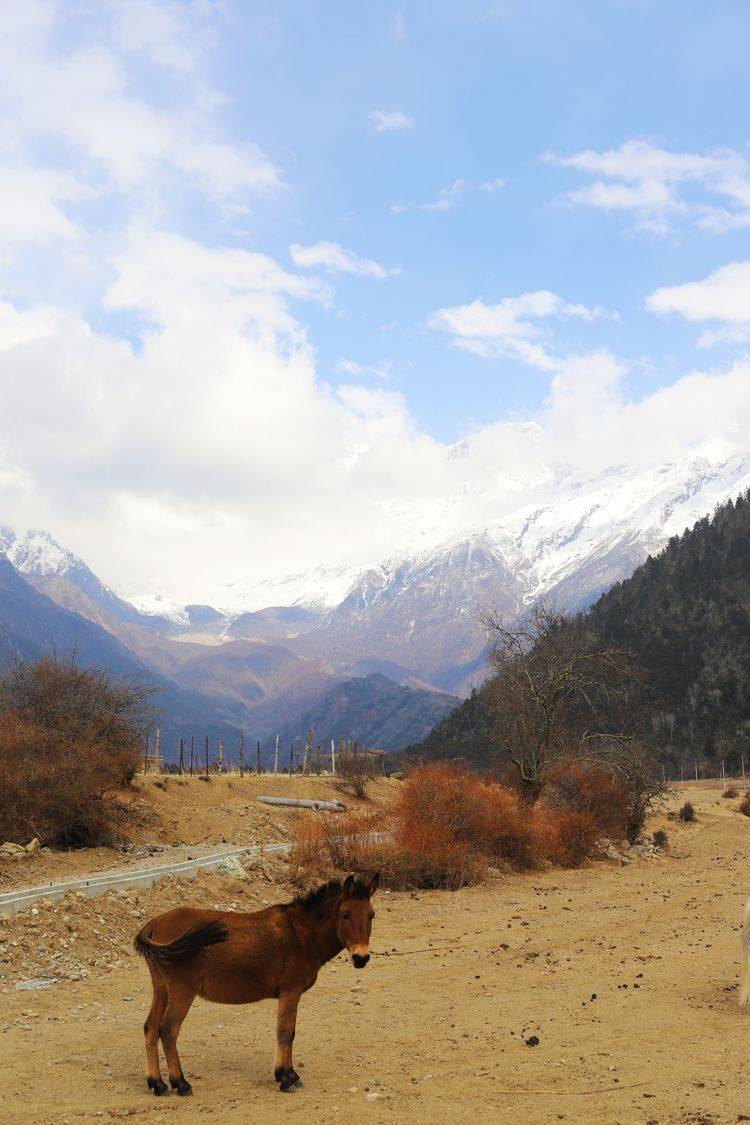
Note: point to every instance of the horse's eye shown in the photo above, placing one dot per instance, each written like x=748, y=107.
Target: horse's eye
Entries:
x=346, y=915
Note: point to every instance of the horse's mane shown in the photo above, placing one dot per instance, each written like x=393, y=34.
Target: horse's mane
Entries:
x=319, y=896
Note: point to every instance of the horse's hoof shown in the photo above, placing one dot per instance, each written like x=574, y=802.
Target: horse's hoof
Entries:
x=158, y=1085
x=288, y=1080
x=182, y=1086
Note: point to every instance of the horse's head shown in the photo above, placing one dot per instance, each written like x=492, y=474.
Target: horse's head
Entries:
x=355, y=917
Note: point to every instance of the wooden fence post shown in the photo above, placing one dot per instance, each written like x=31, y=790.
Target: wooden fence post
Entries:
x=242, y=752
x=260, y=760
x=276, y=756
x=157, y=752
x=206, y=755
x=192, y=753
x=182, y=756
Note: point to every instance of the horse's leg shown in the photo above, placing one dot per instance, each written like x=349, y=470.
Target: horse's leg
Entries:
x=286, y=1021
x=151, y=1031
x=178, y=1005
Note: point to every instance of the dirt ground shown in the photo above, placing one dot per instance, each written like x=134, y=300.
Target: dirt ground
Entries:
x=627, y=976
x=170, y=812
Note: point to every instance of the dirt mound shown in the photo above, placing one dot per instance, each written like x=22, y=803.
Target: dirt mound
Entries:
x=77, y=936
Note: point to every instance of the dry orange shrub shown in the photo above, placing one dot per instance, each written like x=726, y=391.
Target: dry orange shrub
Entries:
x=448, y=826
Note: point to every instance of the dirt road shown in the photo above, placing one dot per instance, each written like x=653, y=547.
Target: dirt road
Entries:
x=627, y=976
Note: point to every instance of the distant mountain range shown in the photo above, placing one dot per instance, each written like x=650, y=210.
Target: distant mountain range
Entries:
x=419, y=609
x=51, y=601
x=272, y=652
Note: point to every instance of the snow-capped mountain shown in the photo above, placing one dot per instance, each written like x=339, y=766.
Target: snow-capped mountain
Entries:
x=418, y=610
x=322, y=588
x=64, y=577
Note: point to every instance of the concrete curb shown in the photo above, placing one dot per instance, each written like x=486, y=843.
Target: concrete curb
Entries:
x=94, y=885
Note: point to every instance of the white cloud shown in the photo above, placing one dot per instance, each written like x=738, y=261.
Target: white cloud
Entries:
x=446, y=200
x=178, y=433
x=382, y=369
x=106, y=138
x=387, y=121
x=658, y=186
x=334, y=258
x=723, y=296
x=216, y=426
x=491, y=186
x=166, y=463
x=511, y=327
x=33, y=204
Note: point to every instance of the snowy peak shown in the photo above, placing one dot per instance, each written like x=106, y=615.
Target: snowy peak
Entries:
x=319, y=589
x=38, y=555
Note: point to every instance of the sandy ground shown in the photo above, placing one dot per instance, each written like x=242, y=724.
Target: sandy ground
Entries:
x=627, y=975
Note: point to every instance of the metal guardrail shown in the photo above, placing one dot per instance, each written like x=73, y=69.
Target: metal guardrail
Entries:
x=94, y=885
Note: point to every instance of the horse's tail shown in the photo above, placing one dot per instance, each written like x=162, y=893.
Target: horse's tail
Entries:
x=186, y=945
x=745, y=941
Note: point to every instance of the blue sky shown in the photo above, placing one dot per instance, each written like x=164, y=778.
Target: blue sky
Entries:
x=490, y=89
x=261, y=264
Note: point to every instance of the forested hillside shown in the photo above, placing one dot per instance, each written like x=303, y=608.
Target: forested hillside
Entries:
x=685, y=618
x=372, y=710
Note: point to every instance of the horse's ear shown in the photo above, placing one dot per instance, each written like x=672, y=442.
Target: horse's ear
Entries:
x=348, y=887
x=374, y=884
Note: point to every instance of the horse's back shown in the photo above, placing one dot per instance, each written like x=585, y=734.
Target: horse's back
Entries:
x=174, y=923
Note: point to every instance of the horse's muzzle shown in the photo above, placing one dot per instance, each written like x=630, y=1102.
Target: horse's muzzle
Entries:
x=359, y=960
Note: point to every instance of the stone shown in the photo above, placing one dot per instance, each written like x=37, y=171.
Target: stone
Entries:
x=232, y=866
x=33, y=846
x=9, y=848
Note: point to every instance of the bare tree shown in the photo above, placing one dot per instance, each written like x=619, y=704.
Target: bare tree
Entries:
x=555, y=694
x=355, y=771
x=635, y=766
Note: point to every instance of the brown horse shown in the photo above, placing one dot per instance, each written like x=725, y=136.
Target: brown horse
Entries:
x=235, y=958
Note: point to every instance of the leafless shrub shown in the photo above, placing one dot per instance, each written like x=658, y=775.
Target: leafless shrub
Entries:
x=640, y=776
x=354, y=772
x=70, y=739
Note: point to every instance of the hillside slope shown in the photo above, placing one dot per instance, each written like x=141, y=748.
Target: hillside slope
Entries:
x=373, y=710
x=686, y=617
x=32, y=625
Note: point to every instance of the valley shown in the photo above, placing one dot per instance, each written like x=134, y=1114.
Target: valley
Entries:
x=627, y=976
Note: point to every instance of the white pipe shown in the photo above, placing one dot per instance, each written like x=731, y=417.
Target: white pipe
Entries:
x=296, y=803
